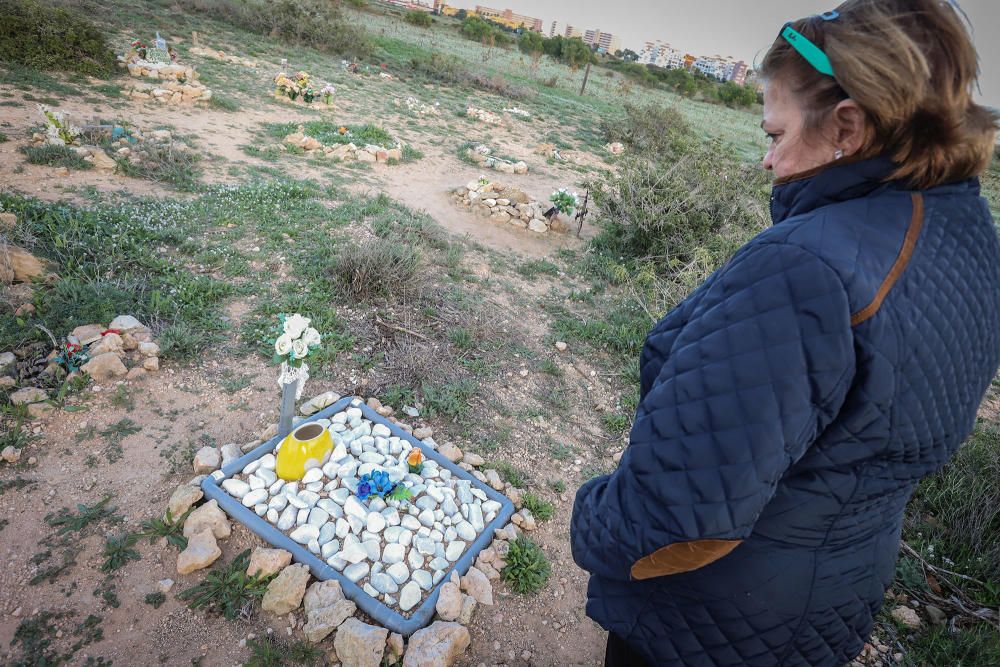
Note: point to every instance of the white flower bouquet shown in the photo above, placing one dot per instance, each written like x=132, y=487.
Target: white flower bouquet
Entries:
x=295, y=340
x=564, y=200
x=58, y=130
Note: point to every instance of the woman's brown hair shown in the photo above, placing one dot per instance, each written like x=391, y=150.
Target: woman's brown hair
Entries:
x=911, y=66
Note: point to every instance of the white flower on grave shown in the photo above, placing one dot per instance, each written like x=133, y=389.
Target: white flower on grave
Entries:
x=295, y=325
x=299, y=348
x=283, y=345
x=311, y=337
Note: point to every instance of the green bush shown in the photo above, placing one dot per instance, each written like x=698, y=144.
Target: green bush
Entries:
x=419, y=18
x=54, y=156
x=315, y=23
x=653, y=131
x=527, y=568
x=376, y=268
x=52, y=38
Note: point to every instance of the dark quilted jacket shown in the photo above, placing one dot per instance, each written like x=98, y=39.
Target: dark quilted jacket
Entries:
x=793, y=402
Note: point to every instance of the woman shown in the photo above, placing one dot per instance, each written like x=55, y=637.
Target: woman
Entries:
x=791, y=404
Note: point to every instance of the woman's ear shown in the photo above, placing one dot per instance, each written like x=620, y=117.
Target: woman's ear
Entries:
x=850, y=125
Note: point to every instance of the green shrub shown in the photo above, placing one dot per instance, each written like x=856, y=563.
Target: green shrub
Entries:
x=227, y=590
x=655, y=131
x=54, y=156
x=118, y=551
x=527, y=568
x=52, y=38
x=419, y=18
x=540, y=508
x=164, y=163
x=315, y=23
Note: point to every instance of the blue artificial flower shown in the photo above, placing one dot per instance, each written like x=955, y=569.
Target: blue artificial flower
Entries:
x=382, y=482
x=364, y=490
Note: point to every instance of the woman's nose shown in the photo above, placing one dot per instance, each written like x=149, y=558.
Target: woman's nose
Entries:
x=768, y=161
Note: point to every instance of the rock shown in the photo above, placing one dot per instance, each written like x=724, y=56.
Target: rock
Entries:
x=207, y=460
x=22, y=267
x=538, y=225
x=477, y=584
x=101, y=160
x=111, y=342
x=28, y=395
x=135, y=373
x=230, y=452
x=38, y=410
x=561, y=346
x=906, y=617
x=321, y=622
x=183, y=497
x=164, y=585
x=359, y=644
x=423, y=433
x=409, y=597
x=474, y=459
x=394, y=645
x=149, y=349
x=151, y=363
x=210, y=517
x=127, y=324
x=449, y=602
x=284, y=594
x=493, y=479
x=468, y=607
x=105, y=367
x=438, y=645
x=88, y=333
x=935, y=615
x=11, y=454
x=201, y=551
x=450, y=452
x=265, y=562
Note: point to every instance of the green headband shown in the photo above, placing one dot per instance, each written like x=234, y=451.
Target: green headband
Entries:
x=812, y=53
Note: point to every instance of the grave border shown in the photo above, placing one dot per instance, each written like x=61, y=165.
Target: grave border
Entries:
x=376, y=609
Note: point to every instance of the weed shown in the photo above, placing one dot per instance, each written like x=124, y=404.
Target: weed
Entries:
x=4, y=138
x=550, y=367
x=591, y=471
x=68, y=522
x=559, y=486
x=118, y=551
x=165, y=163
x=539, y=507
x=228, y=590
x=108, y=592
x=450, y=399
x=52, y=572
x=233, y=382
x=182, y=341
x=156, y=599
x=533, y=268
x=398, y=395
x=976, y=646
x=168, y=527
x=616, y=422
x=269, y=652
x=54, y=156
x=114, y=434
x=122, y=398
x=35, y=637
x=509, y=473
x=461, y=338
x=377, y=267
x=223, y=103
x=527, y=568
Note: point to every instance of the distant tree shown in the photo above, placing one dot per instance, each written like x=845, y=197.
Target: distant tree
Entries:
x=531, y=43
x=419, y=18
x=735, y=95
x=576, y=53
x=554, y=46
x=628, y=55
x=461, y=14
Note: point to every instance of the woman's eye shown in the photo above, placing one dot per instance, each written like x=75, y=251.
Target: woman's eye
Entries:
x=771, y=137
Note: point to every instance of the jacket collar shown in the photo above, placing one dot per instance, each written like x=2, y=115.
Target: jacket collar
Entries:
x=829, y=184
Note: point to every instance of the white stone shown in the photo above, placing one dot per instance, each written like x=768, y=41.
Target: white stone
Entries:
x=373, y=548
x=235, y=487
x=356, y=572
x=393, y=553
x=267, y=461
x=353, y=552
x=476, y=517
x=454, y=550
x=375, y=522
x=410, y=522
x=296, y=502
x=267, y=475
x=426, y=517
x=328, y=533
x=399, y=572
x=343, y=528
x=317, y=517
x=312, y=475
x=423, y=579
x=310, y=497
x=303, y=534
x=409, y=597
x=425, y=545
x=354, y=508
x=466, y=531
x=272, y=515
x=287, y=518
x=383, y=583
x=254, y=497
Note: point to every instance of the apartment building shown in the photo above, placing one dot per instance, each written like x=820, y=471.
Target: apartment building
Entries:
x=510, y=19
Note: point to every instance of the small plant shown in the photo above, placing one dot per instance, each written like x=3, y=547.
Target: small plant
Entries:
x=269, y=652
x=122, y=398
x=54, y=156
x=227, y=590
x=550, y=367
x=419, y=18
x=378, y=267
x=558, y=486
x=68, y=522
x=616, y=422
x=509, y=473
x=118, y=551
x=461, y=338
x=540, y=508
x=156, y=599
x=527, y=568
x=167, y=527
x=328, y=92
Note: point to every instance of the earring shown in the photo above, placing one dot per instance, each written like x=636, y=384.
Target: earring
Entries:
x=837, y=154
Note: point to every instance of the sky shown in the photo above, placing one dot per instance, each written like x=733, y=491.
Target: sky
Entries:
x=739, y=28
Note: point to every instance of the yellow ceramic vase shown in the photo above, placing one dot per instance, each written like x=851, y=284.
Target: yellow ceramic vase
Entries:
x=308, y=446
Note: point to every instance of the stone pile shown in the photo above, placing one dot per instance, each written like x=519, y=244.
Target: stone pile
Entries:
x=108, y=349
x=344, y=152
x=518, y=112
x=488, y=117
x=175, y=84
x=505, y=204
x=483, y=155
x=397, y=551
x=223, y=56
x=415, y=106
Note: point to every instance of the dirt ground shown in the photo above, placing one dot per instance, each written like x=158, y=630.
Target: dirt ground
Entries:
x=181, y=408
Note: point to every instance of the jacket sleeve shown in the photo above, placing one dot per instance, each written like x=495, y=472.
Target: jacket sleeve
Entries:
x=760, y=368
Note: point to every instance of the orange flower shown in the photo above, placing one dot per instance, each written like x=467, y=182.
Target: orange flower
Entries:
x=415, y=458
x=342, y=130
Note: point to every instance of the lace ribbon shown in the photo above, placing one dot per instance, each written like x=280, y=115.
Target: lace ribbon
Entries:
x=290, y=374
